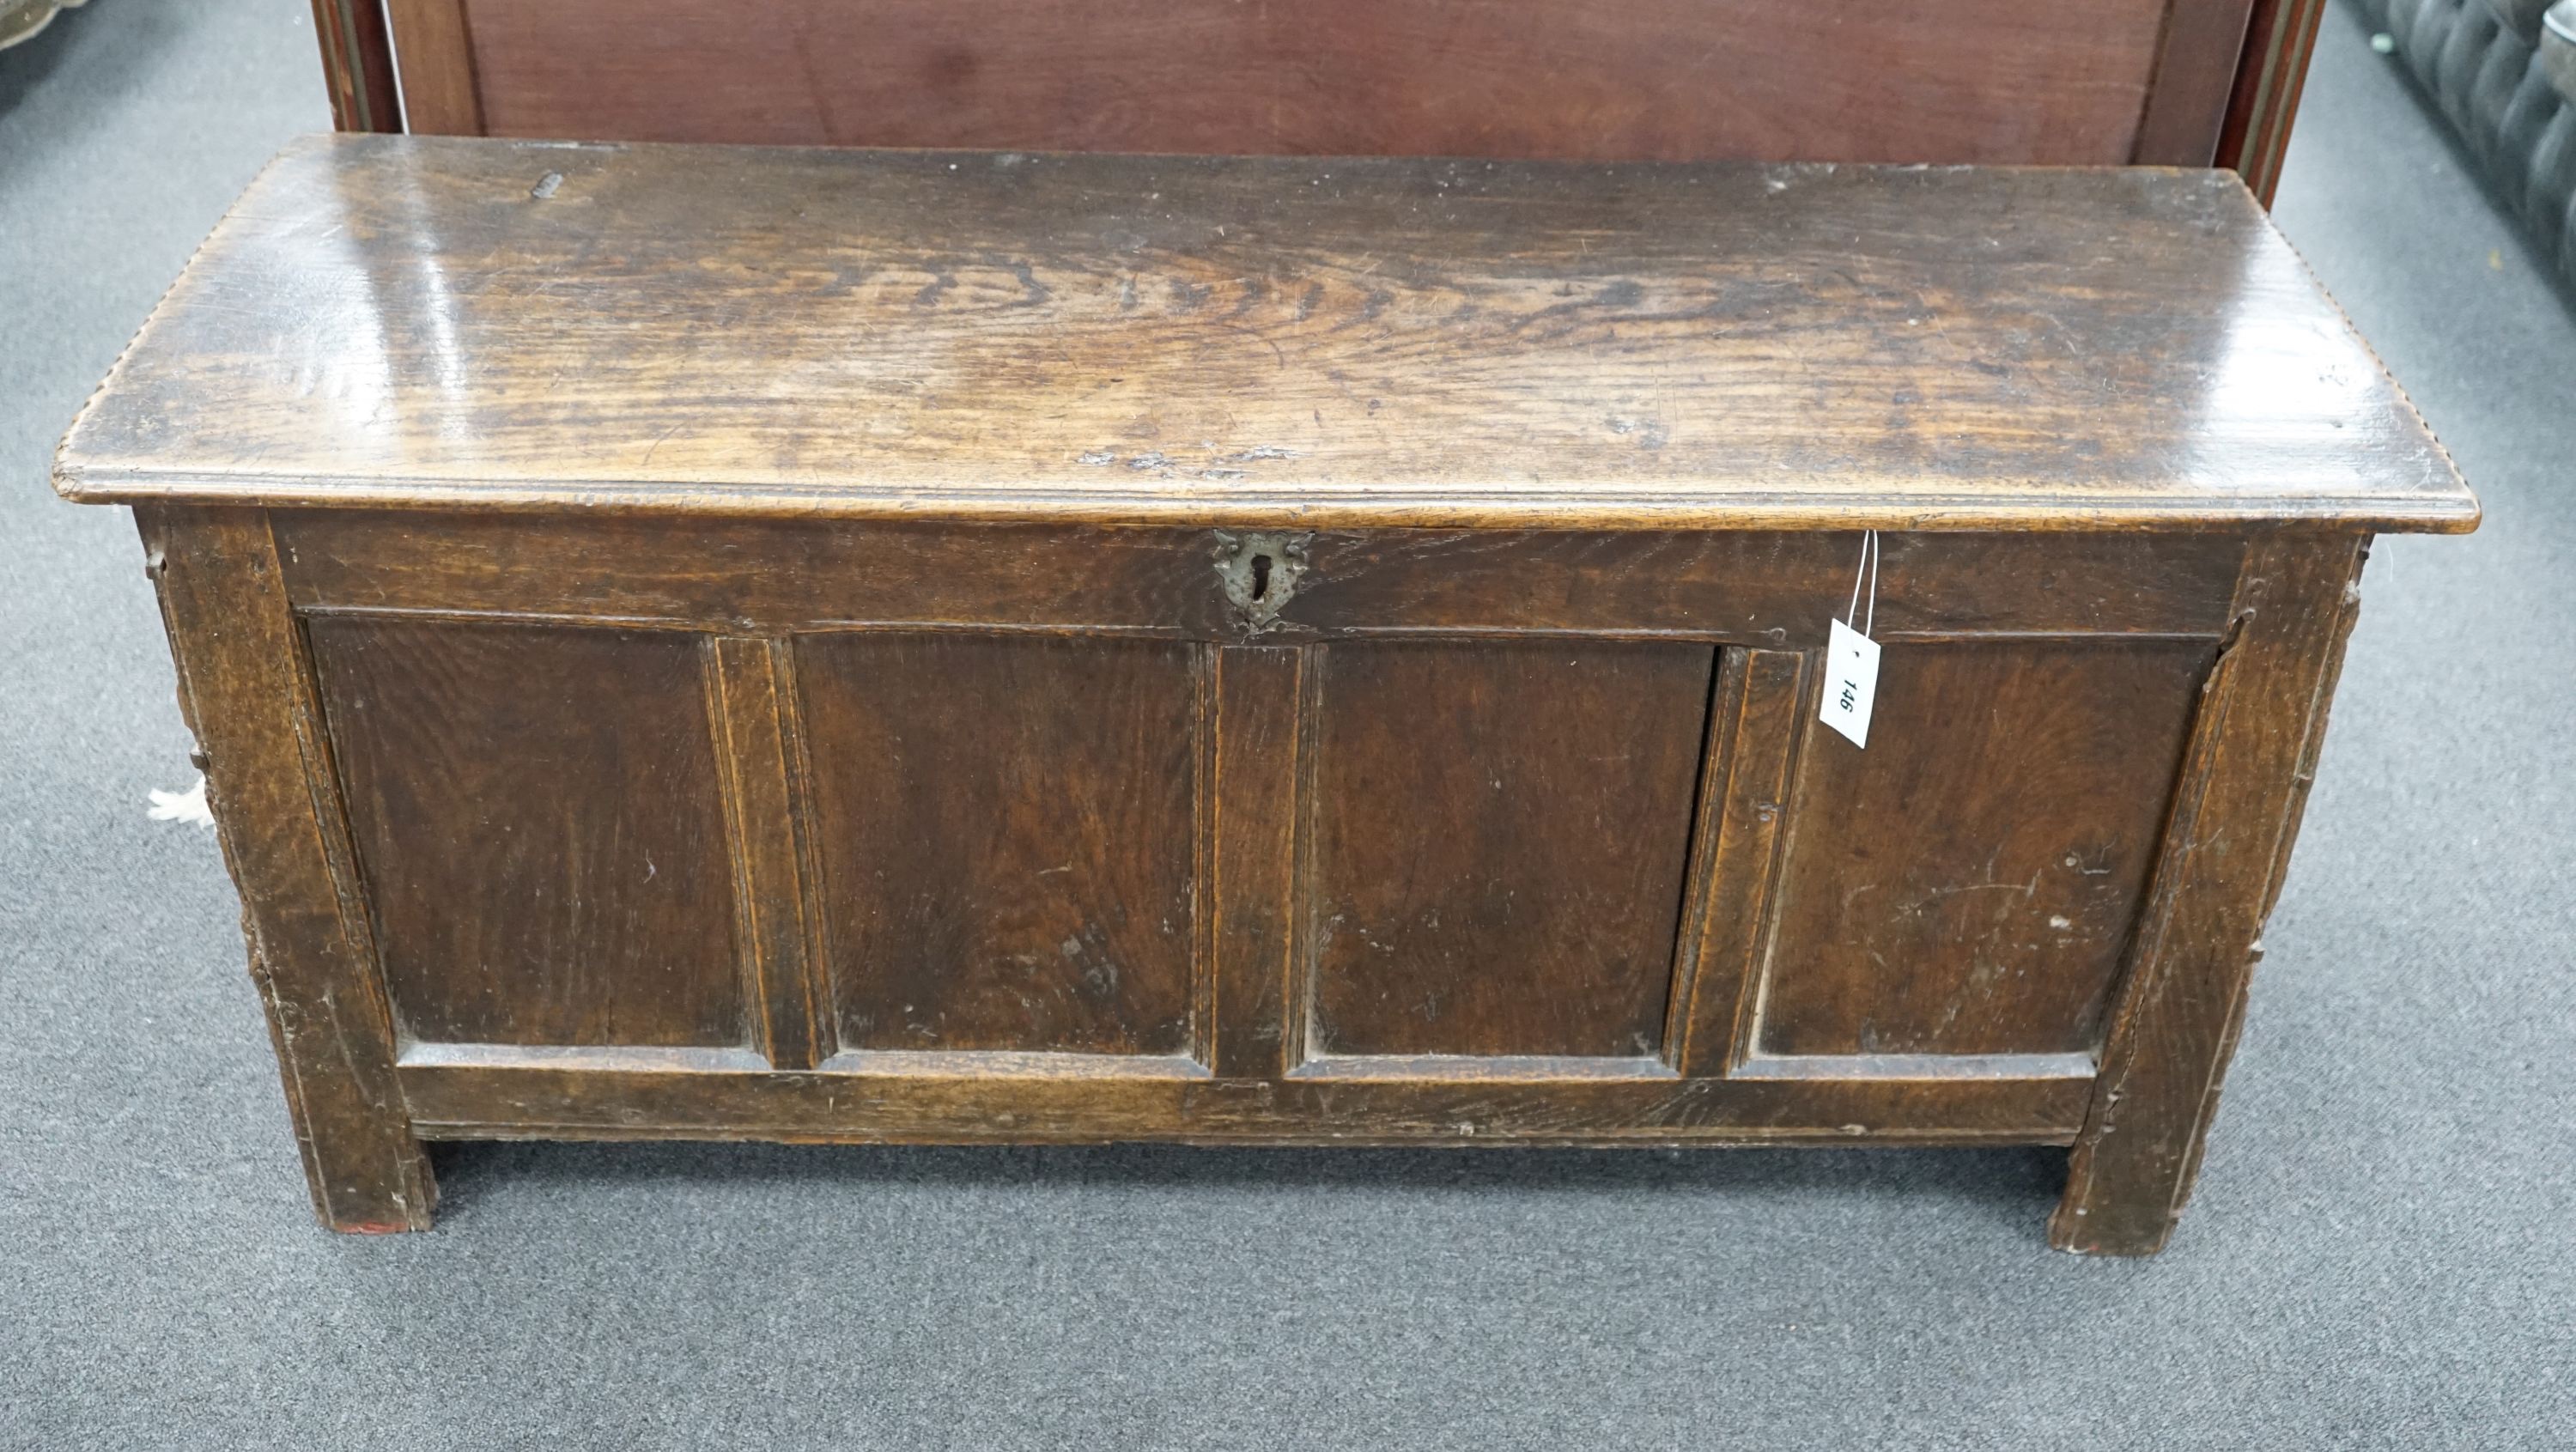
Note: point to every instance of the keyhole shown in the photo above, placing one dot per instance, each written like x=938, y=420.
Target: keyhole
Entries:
x=1260, y=577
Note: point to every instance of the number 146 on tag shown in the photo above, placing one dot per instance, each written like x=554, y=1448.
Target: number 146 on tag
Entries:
x=1851, y=682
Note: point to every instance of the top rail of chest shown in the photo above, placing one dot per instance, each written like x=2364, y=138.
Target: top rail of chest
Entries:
x=1336, y=343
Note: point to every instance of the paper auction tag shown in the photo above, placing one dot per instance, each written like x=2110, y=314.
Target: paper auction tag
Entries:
x=1851, y=657
x=1851, y=682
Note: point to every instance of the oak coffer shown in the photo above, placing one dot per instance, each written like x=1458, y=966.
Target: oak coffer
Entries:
x=942, y=646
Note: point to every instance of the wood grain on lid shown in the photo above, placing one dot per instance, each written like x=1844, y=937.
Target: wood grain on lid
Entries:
x=514, y=325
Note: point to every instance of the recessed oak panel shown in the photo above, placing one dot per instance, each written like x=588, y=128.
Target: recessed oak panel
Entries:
x=1968, y=884
x=536, y=816
x=1004, y=829
x=1498, y=842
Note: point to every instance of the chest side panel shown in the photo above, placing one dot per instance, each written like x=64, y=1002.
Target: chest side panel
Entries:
x=1499, y=831
x=1967, y=885
x=1004, y=833
x=538, y=821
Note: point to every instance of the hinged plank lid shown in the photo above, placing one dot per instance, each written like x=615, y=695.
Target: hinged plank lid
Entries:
x=516, y=325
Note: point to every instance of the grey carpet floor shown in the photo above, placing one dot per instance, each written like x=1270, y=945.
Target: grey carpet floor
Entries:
x=2381, y=1254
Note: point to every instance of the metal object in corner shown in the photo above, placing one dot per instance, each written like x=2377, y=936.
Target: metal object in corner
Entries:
x=21, y=19
x=1260, y=573
x=2558, y=47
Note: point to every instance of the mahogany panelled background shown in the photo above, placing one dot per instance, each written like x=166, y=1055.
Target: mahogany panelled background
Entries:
x=2171, y=82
